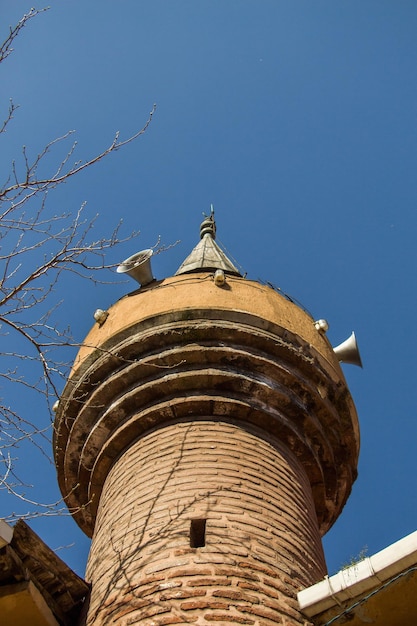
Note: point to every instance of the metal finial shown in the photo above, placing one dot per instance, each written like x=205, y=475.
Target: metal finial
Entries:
x=208, y=226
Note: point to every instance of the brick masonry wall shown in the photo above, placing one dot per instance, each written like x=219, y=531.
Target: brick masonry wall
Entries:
x=261, y=537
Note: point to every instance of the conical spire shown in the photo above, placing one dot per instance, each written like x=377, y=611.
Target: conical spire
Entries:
x=207, y=255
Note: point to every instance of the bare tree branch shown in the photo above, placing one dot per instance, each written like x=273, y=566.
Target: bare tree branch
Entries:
x=6, y=47
x=36, y=248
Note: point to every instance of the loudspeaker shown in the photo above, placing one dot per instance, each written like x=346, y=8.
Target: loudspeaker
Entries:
x=138, y=266
x=348, y=351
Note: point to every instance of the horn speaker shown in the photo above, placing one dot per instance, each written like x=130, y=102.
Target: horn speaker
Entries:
x=348, y=351
x=138, y=267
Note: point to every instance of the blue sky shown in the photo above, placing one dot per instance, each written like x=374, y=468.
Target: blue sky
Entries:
x=298, y=121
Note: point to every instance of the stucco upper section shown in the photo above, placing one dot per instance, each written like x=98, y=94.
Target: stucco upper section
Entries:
x=186, y=348
x=198, y=291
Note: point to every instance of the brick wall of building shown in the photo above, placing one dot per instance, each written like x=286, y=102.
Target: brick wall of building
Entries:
x=261, y=540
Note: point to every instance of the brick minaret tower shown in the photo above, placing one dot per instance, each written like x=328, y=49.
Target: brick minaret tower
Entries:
x=206, y=439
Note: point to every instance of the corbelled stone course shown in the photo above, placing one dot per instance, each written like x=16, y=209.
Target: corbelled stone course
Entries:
x=214, y=362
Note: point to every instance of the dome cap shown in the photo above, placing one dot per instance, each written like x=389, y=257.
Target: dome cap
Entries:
x=207, y=255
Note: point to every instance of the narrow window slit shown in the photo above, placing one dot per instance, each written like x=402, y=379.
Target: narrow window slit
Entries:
x=198, y=533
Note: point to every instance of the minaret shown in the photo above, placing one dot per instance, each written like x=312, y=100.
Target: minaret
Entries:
x=206, y=439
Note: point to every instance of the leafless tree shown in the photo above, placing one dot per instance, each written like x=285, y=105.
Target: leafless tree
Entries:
x=36, y=248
